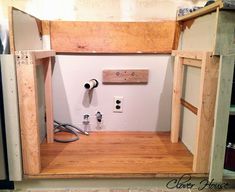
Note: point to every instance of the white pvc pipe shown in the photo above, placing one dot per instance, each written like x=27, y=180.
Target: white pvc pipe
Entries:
x=93, y=83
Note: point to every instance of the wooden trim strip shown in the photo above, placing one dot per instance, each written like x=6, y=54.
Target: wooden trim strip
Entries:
x=43, y=54
x=192, y=62
x=189, y=106
x=210, y=8
x=188, y=54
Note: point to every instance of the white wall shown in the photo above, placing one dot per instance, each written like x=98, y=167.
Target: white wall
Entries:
x=146, y=107
x=101, y=10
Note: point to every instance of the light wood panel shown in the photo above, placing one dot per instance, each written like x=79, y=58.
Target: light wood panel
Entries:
x=26, y=62
x=112, y=37
x=176, y=96
x=125, y=76
x=48, y=99
x=118, y=154
x=28, y=107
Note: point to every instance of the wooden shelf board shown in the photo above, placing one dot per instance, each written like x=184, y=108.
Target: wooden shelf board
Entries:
x=202, y=11
x=229, y=174
x=106, y=155
x=232, y=110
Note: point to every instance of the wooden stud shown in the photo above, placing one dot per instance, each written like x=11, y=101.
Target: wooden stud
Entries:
x=11, y=30
x=28, y=106
x=125, y=76
x=206, y=110
x=177, y=86
x=48, y=99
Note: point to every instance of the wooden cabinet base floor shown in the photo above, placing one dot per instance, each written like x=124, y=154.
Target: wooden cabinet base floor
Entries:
x=115, y=155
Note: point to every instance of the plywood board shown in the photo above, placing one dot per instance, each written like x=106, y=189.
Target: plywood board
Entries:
x=28, y=107
x=112, y=37
x=125, y=76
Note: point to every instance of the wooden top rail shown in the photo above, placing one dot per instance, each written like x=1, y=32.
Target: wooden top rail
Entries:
x=189, y=54
x=210, y=8
x=37, y=54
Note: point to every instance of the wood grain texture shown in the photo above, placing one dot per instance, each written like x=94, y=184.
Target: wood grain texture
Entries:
x=48, y=99
x=189, y=106
x=192, y=62
x=28, y=107
x=117, y=154
x=112, y=37
x=206, y=111
x=125, y=76
x=188, y=54
x=176, y=96
x=45, y=27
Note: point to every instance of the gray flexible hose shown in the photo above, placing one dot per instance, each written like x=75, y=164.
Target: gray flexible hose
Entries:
x=60, y=127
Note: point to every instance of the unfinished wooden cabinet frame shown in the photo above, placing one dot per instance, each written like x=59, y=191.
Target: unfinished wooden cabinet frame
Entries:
x=209, y=66
x=26, y=62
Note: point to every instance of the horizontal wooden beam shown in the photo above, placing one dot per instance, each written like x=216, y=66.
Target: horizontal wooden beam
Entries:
x=188, y=54
x=43, y=54
x=192, y=62
x=189, y=106
x=112, y=37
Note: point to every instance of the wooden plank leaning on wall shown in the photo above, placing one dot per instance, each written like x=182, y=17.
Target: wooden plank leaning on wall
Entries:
x=114, y=37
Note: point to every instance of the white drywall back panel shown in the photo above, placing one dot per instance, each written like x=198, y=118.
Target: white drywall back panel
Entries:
x=200, y=35
x=145, y=107
x=26, y=33
x=190, y=92
x=11, y=111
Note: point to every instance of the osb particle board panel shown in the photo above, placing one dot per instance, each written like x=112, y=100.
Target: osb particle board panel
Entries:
x=125, y=76
x=112, y=37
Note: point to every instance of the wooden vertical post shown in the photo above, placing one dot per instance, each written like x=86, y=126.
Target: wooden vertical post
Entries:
x=28, y=106
x=221, y=117
x=176, y=105
x=206, y=110
x=48, y=99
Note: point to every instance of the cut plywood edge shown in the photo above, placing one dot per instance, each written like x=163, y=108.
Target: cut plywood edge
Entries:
x=139, y=76
x=113, y=37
